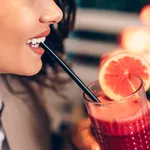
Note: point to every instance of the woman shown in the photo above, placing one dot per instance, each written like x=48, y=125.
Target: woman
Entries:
x=23, y=24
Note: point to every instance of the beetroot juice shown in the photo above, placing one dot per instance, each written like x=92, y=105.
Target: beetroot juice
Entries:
x=125, y=135
x=120, y=125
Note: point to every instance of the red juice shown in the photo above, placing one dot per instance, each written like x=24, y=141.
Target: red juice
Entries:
x=122, y=124
x=125, y=136
x=117, y=128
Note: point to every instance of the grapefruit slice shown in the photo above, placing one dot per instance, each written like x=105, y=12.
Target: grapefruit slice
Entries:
x=117, y=76
x=105, y=56
x=146, y=56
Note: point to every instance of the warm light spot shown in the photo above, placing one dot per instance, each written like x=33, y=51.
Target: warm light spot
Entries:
x=135, y=39
x=145, y=15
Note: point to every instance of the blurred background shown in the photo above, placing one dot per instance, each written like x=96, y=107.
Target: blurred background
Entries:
x=106, y=26
x=103, y=28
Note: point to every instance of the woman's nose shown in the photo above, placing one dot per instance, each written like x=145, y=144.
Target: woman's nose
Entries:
x=53, y=14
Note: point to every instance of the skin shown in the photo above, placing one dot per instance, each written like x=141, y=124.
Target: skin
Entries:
x=82, y=136
x=20, y=21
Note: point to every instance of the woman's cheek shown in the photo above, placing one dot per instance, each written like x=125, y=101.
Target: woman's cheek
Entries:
x=26, y=23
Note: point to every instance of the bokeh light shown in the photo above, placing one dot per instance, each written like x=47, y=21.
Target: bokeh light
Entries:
x=135, y=39
x=145, y=15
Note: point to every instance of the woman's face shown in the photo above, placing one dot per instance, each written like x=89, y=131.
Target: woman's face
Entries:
x=23, y=24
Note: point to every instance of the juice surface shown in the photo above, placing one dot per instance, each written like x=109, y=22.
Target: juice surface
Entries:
x=118, y=127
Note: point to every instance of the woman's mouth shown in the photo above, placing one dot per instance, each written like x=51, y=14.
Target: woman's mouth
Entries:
x=34, y=44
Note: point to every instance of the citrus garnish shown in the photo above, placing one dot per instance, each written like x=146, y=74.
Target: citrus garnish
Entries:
x=117, y=75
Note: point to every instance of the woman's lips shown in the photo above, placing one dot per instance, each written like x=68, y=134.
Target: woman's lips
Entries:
x=38, y=50
x=34, y=42
x=43, y=34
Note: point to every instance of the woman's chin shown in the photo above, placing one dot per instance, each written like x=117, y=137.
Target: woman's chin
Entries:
x=23, y=69
x=32, y=71
x=28, y=71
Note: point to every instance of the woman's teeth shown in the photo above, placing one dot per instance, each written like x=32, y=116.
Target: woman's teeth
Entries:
x=35, y=41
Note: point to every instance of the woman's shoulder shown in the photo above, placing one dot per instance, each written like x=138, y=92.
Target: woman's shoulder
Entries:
x=4, y=88
x=11, y=90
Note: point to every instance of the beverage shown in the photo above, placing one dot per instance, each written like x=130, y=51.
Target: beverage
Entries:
x=132, y=133
x=120, y=125
x=121, y=120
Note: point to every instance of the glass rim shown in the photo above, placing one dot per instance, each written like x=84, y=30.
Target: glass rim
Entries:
x=113, y=101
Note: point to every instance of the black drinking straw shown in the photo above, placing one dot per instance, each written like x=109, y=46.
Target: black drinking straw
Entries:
x=70, y=72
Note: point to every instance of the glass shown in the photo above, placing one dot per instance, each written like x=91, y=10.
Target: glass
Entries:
x=120, y=125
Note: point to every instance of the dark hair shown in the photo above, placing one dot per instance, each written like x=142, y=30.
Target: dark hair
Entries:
x=55, y=41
